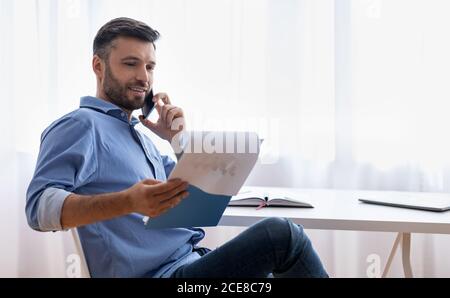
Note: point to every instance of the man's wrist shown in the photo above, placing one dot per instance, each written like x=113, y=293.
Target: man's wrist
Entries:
x=127, y=202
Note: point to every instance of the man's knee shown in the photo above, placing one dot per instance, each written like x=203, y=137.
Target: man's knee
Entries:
x=276, y=223
x=278, y=229
x=279, y=224
x=283, y=229
x=284, y=237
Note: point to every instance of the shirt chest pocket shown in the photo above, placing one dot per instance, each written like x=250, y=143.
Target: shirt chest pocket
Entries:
x=121, y=158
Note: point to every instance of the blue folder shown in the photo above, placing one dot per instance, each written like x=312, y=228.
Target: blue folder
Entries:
x=199, y=209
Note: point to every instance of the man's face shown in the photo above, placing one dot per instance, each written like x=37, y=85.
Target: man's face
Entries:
x=128, y=75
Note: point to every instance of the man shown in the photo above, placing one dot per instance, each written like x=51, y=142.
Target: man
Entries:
x=97, y=173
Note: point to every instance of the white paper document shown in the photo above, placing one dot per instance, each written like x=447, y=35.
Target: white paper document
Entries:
x=218, y=162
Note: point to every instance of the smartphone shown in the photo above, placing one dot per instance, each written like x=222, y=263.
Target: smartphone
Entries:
x=149, y=105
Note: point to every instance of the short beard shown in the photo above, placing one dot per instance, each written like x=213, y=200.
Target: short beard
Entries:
x=117, y=94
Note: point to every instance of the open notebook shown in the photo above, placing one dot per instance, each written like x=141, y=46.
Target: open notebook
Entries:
x=428, y=203
x=260, y=199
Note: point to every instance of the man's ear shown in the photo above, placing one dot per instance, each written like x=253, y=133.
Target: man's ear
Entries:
x=98, y=66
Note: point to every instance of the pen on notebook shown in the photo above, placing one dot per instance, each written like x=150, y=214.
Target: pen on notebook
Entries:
x=263, y=204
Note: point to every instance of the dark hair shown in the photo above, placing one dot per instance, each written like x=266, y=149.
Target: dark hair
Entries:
x=121, y=27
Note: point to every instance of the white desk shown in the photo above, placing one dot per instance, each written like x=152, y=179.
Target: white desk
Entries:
x=341, y=210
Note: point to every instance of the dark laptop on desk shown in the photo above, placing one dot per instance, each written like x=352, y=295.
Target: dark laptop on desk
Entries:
x=428, y=204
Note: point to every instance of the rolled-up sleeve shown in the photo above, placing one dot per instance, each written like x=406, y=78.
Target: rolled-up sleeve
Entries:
x=50, y=207
x=66, y=161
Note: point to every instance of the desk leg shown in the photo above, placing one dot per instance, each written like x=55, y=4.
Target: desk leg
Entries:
x=405, y=240
x=406, y=254
x=391, y=255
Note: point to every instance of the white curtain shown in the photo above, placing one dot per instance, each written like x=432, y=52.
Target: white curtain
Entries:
x=347, y=94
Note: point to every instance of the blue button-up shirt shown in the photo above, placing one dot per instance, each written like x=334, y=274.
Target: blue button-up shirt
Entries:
x=96, y=149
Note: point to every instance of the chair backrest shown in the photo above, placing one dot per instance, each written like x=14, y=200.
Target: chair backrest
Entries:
x=79, y=249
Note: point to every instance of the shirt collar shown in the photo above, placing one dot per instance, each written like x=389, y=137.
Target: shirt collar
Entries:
x=106, y=107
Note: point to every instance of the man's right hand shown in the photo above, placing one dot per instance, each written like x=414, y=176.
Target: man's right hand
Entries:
x=152, y=197
x=148, y=197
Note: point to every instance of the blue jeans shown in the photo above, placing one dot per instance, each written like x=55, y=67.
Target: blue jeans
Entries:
x=274, y=246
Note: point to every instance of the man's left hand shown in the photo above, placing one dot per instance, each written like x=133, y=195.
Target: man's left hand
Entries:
x=170, y=121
